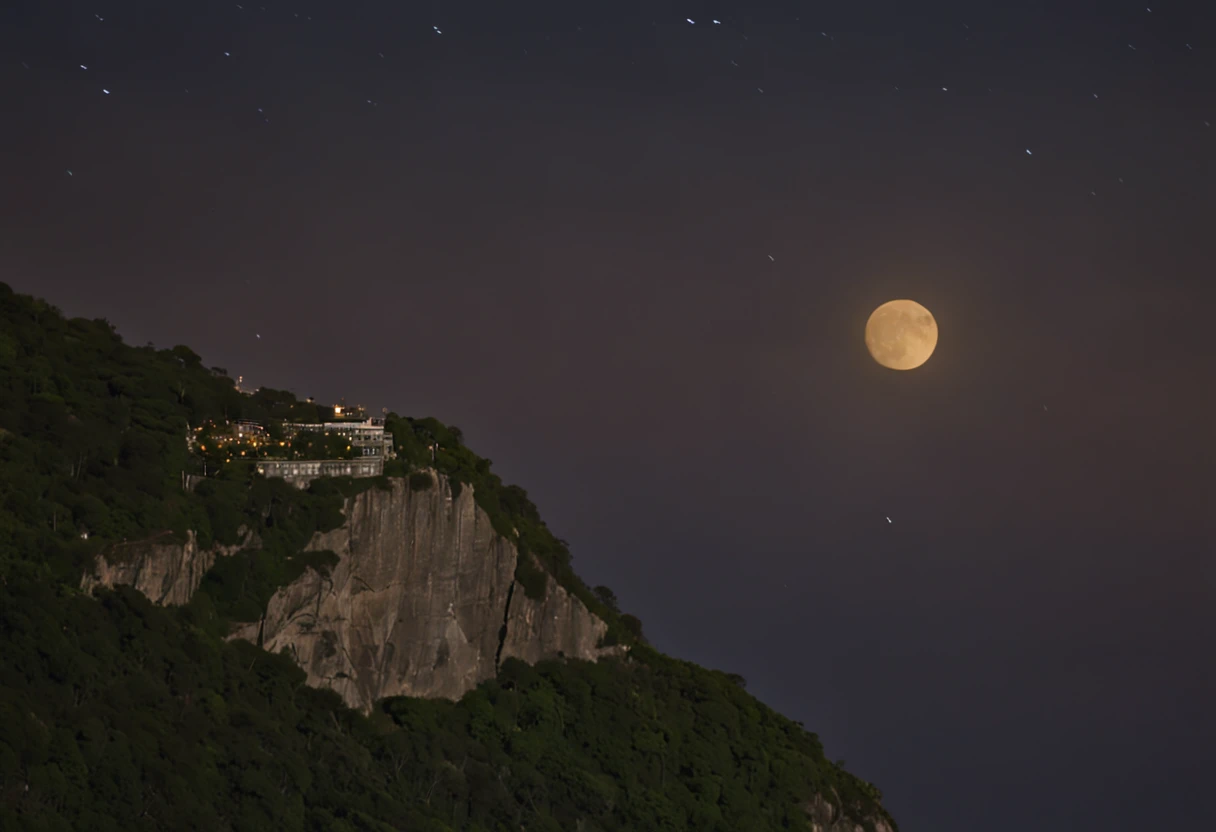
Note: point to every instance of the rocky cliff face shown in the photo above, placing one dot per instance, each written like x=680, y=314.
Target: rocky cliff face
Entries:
x=161, y=568
x=423, y=601
x=826, y=817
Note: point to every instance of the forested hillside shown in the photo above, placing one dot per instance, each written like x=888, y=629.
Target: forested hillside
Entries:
x=117, y=714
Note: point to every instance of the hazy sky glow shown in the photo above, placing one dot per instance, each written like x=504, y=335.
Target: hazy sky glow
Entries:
x=632, y=257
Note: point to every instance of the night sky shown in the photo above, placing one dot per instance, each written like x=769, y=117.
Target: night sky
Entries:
x=630, y=250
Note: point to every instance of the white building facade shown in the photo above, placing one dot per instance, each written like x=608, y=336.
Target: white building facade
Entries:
x=369, y=435
x=300, y=472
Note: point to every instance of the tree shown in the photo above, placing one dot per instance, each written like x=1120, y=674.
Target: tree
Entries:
x=632, y=625
x=188, y=357
x=606, y=597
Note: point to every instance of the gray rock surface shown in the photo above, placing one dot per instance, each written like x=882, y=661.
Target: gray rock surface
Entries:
x=413, y=607
x=557, y=624
x=417, y=602
x=165, y=570
x=826, y=817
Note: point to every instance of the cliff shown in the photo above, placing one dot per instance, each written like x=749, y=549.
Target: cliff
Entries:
x=826, y=817
x=422, y=602
x=417, y=603
x=165, y=570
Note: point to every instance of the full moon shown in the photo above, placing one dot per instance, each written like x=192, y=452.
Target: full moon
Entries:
x=901, y=334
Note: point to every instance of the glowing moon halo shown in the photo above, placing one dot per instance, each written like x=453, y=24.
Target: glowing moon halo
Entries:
x=901, y=334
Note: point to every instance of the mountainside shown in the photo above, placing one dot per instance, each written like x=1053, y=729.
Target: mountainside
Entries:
x=140, y=696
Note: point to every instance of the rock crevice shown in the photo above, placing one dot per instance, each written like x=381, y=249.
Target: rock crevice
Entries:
x=502, y=632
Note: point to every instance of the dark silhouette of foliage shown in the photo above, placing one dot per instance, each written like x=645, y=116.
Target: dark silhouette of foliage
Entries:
x=116, y=714
x=606, y=597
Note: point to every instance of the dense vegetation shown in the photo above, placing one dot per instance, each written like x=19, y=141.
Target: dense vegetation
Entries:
x=93, y=452
x=115, y=713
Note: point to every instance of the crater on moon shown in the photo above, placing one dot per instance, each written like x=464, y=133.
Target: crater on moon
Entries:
x=901, y=334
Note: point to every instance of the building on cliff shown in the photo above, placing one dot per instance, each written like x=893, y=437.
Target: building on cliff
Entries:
x=300, y=472
x=249, y=430
x=368, y=435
